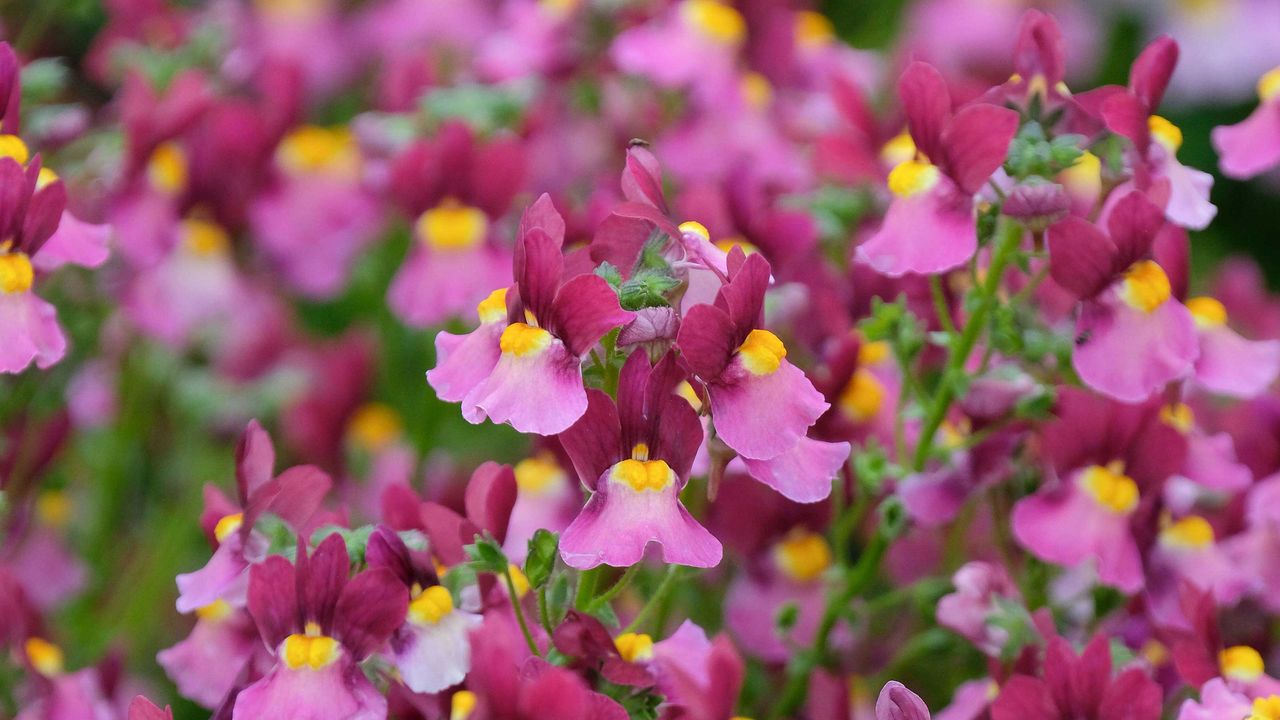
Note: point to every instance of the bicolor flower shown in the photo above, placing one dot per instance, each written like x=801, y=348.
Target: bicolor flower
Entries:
x=207, y=663
x=792, y=574
x=317, y=216
x=635, y=458
x=60, y=694
x=931, y=225
x=294, y=495
x=456, y=189
x=431, y=648
x=695, y=41
x=532, y=378
x=320, y=625
x=1187, y=551
x=761, y=404
x=1228, y=363
x=1079, y=688
x=1252, y=146
x=1132, y=336
x=32, y=201
x=547, y=498
x=1217, y=700
x=983, y=591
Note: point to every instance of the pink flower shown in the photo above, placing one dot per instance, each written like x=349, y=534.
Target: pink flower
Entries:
x=1132, y=336
x=896, y=702
x=320, y=625
x=1228, y=363
x=1252, y=146
x=1078, y=688
x=761, y=404
x=930, y=226
x=207, y=663
x=635, y=457
x=981, y=589
x=531, y=377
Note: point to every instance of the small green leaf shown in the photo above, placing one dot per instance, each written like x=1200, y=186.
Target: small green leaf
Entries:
x=543, y=549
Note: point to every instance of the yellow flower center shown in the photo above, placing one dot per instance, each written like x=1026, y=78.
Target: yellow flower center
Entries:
x=519, y=580
x=912, y=177
x=1154, y=652
x=762, y=352
x=167, y=169
x=312, y=149
x=374, y=426
x=431, y=605
x=643, y=475
x=228, y=525
x=214, y=611
x=1111, y=488
x=873, y=353
x=54, y=509
x=462, y=705
x=1269, y=85
x=204, y=238
x=757, y=90
x=45, y=657
x=686, y=391
x=45, y=177
x=1207, y=311
x=312, y=649
x=1165, y=133
x=634, y=647
x=697, y=228
x=1241, y=663
x=1145, y=286
x=558, y=8
x=537, y=475
x=1179, y=416
x=520, y=340
x=494, y=307
x=1267, y=708
x=451, y=226
x=11, y=146
x=863, y=397
x=737, y=241
x=1190, y=533
x=16, y=273
x=898, y=150
x=1084, y=177
x=716, y=21
x=802, y=555
x=813, y=29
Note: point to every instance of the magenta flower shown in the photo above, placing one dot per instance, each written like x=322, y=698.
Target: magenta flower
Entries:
x=456, y=189
x=320, y=625
x=694, y=41
x=207, y=663
x=294, y=495
x=1252, y=146
x=31, y=205
x=143, y=709
x=1079, y=688
x=896, y=702
x=635, y=458
x=930, y=226
x=761, y=404
x=1132, y=336
x=1228, y=363
x=431, y=648
x=523, y=364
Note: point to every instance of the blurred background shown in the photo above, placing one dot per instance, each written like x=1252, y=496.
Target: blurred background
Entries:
x=126, y=493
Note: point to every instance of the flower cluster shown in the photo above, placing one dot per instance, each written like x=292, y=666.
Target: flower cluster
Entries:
x=861, y=368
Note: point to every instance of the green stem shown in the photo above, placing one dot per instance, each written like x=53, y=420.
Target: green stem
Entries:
x=664, y=587
x=544, y=615
x=587, y=587
x=1007, y=237
x=515, y=604
x=940, y=305
x=802, y=665
x=614, y=589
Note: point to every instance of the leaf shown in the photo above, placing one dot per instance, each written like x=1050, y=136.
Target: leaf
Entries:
x=543, y=549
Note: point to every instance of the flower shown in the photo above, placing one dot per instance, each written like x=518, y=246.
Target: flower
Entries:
x=930, y=226
x=523, y=364
x=635, y=458
x=1078, y=688
x=320, y=624
x=1252, y=146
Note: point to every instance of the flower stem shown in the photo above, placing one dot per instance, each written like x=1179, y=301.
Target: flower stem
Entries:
x=940, y=305
x=1008, y=234
x=664, y=587
x=855, y=582
x=614, y=589
x=587, y=587
x=515, y=605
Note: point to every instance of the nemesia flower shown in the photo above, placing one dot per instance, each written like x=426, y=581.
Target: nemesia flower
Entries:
x=930, y=226
x=635, y=458
x=531, y=378
x=1078, y=686
x=1132, y=336
x=896, y=702
x=1228, y=363
x=320, y=625
x=58, y=694
x=31, y=206
x=695, y=41
x=141, y=708
x=981, y=590
x=456, y=189
x=1252, y=146
x=319, y=168
x=744, y=368
x=792, y=575
x=206, y=665
x=547, y=498
x=431, y=649
x=294, y=495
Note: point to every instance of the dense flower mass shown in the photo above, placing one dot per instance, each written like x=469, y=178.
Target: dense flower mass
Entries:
x=639, y=359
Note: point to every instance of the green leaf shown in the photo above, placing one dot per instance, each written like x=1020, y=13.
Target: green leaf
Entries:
x=610, y=274
x=486, y=556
